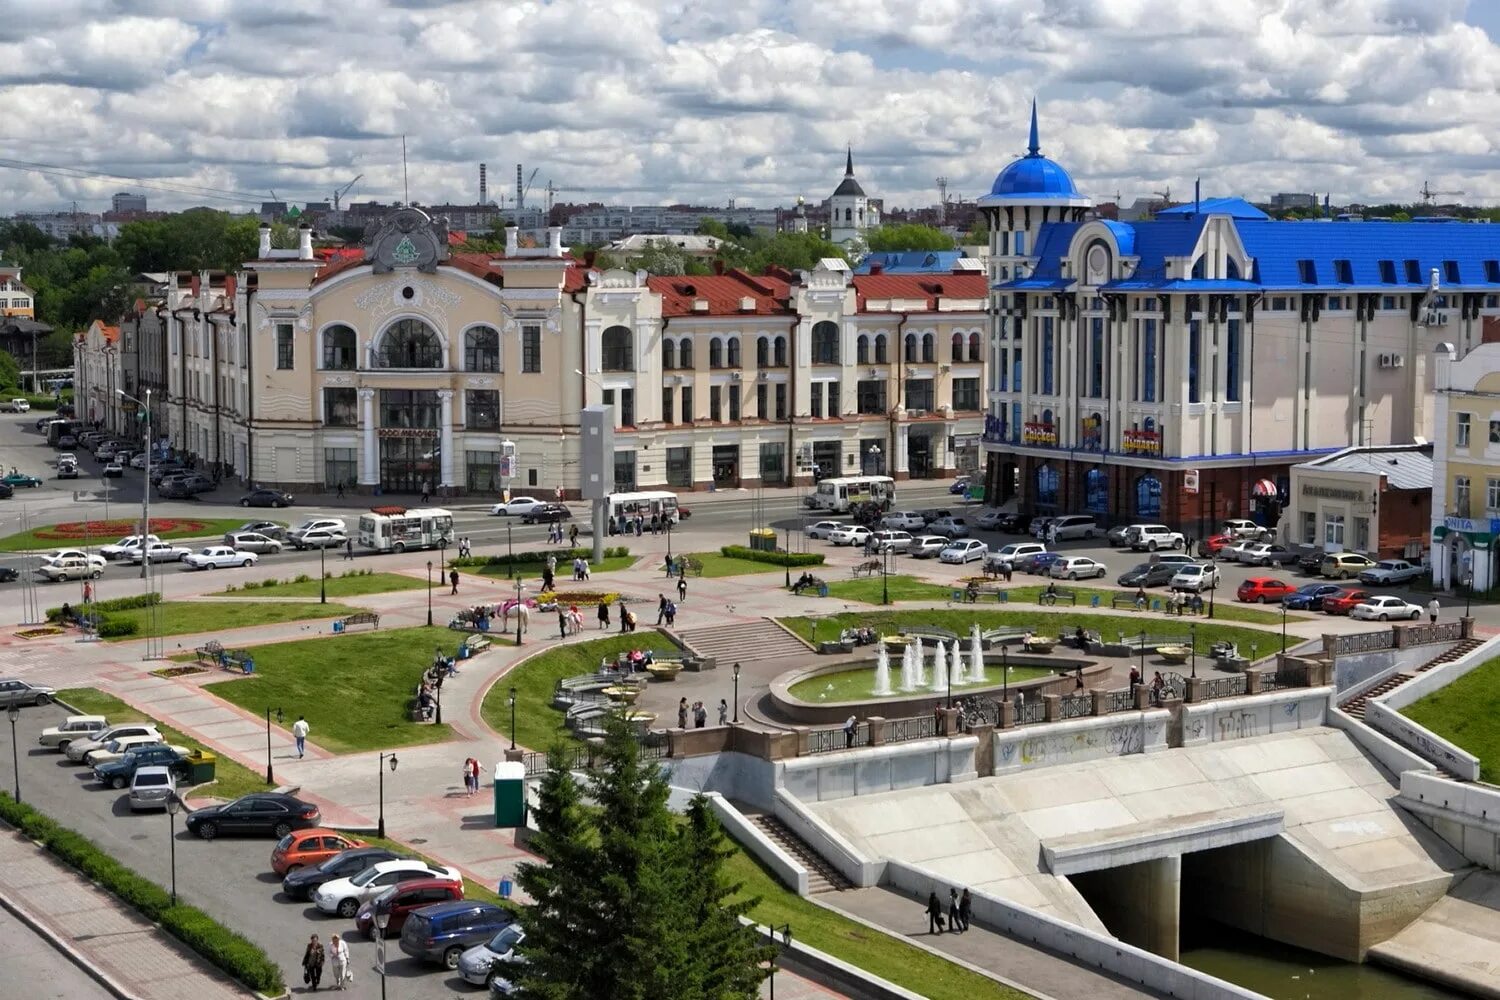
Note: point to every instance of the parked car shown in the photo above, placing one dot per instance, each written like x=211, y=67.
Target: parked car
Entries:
x=444, y=931
x=1010, y=554
x=1038, y=563
x=400, y=900
x=822, y=529
x=1309, y=596
x=125, y=547
x=1269, y=554
x=267, y=498
x=1389, y=571
x=72, y=568
x=1384, y=608
x=1345, y=565
x=931, y=514
x=345, y=896
x=14, y=479
x=1344, y=601
x=1242, y=528
x=1148, y=575
x=546, y=513
x=964, y=551
x=67, y=470
x=479, y=965
x=891, y=541
x=1077, y=568
x=959, y=486
x=220, y=557
x=312, y=846
x=118, y=772
x=274, y=813
x=303, y=882
x=161, y=470
x=1019, y=524
x=1151, y=537
x=849, y=534
x=1117, y=536
x=950, y=527
x=1310, y=563
x=77, y=749
x=1263, y=589
x=1232, y=551
x=907, y=520
x=74, y=727
x=1070, y=526
x=190, y=485
x=9, y=574
x=119, y=747
x=1039, y=527
x=6, y=492
x=515, y=505
x=990, y=520
x=151, y=787
x=138, y=461
x=252, y=541
x=161, y=552
x=926, y=546
x=16, y=692
x=320, y=538
x=1196, y=577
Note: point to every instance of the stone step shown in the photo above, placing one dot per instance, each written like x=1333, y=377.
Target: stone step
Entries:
x=821, y=876
x=743, y=641
x=1356, y=706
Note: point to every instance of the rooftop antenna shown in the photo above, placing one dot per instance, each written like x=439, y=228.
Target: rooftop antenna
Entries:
x=405, y=178
x=1197, y=194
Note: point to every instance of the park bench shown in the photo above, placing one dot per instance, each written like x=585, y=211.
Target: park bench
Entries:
x=930, y=632
x=477, y=643
x=1127, y=601
x=236, y=658
x=1062, y=595
x=370, y=618
x=974, y=591
x=1000, y=636
x=210, y=651
x=867, y=568
x=414, y=710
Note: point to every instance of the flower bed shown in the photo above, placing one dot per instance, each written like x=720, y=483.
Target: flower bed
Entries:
x=579, y=597
x=38, y=633
x=180, y=671
x=77, y=531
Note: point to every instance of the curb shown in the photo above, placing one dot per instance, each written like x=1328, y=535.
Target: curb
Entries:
x=61, y=944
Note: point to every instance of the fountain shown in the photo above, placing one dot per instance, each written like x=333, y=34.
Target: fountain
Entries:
x=939, y=668
x=960, y=675
x=920, y=659
x=976, y=657
x=882, y=671
x=910, y=676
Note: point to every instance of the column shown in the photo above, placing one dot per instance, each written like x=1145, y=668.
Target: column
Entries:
x=445, y=477
x=369, y=468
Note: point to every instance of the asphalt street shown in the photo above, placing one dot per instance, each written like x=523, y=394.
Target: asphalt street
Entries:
x=33, y=964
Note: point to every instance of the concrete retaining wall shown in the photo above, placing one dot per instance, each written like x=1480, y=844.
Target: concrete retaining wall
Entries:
x=827, y=843
x=1424, y=684
x=1427, y=744
x=1254, y=715
x=787, y=869
x=825, y=970
x=738, y=776
x=1134, y=965
x=884, y=768
x=1466, y=816
x=1079, y=740
x=1394, y=757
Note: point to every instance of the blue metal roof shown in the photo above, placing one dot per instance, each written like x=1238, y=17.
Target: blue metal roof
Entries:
x=911, y=261
x=1034, y=176
x=1239, y=208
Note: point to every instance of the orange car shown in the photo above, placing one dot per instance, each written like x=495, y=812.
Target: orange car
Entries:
x=302, y=848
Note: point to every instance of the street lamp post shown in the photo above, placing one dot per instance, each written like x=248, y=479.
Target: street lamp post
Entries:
x=380, y=770
x=512, y=718
x=1193, y=646
x=885, y=575
x=13, y=714
x=1143, y=656
x=173, y=805
x=736, y=692
x=786, y=934
x=1468, y=593
x=1004, y=674
x=510, y=553
x=145, y=486
x=429, y=593
x=874, y=460
x=442, y=556
x=669, y=542
x=270, y=771
x=520, y=606
x=788, y=556
x=322, y=574
x=437, y=690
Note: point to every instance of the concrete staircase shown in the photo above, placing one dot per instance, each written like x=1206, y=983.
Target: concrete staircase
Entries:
x=821, y=876
x=761, y=639
x=1356, y=706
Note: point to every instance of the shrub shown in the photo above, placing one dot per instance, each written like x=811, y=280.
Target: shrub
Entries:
x=256, y=584
x=115, y=628
x=301, y=578
x=115, y=604
x=774, y=558
x=562, y=555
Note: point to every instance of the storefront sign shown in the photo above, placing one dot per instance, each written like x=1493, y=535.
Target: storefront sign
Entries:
x=1035, y=433
x=407, y=432
x=1332, y=492
x=1141, y=442
x=1473, y=525
x=1190, y=481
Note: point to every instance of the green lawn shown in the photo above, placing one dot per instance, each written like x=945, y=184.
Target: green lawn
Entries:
x=884, y=955
x=869, y=590
x=355, y=584
x=353, y=688
x=533, y=570
x=231, y=778
x=205, y=527
x=718, y=564
x=538, y=724
x=192, y=617
x=1464, y=713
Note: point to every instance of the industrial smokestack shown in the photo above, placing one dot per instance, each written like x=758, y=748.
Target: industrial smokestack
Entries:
x=484, y=186
x=520, y=194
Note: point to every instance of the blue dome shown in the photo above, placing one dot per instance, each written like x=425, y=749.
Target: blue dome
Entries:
x=1034, y=176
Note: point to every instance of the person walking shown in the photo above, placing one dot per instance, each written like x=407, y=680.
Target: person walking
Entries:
x=700, y=715
x=312, y=963
x=661, y=607
x=468, y=780
x=426, y=492
x=934, y=914
x=341, y=496
x=603, y=616
x=338, y=955
x=723, y=712
x=965, y=907
x=681, y=589
x=850, y=725
x=671, y=614
x=453, y=579
x=573, y=535
x=682, y=714
x=1432, y=610
x=562, y=622
x=300, y=729
x=473, y=775
x=349, y=548
x=628, y=617
x=955, y=920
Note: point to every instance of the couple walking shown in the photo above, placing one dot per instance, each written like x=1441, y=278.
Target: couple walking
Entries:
x=471, y=776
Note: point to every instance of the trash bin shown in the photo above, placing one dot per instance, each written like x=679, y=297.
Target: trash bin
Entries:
x=338, y=625
x=506, y=888
x=763, y=540
x=201, y=765
x=510, y=793
x=249, y=665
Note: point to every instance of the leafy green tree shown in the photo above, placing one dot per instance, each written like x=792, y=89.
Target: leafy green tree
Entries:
x=18, y=237
x=794, y=251
x=195, y=240
x=978, y=236
x=666, y=257
x=10, y=371
x=908, y=236
x=712, y=227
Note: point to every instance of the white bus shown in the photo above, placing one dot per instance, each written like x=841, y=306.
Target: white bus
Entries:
x=396, y=529
x=658, y=502
x=838, y=494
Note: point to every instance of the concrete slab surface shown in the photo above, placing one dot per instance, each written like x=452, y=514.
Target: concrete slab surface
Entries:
x=1457, y=941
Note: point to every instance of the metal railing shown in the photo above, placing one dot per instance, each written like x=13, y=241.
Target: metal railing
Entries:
x=917, y=727
x=575, y=758
x=1075, y=706
x=1286, y=677
x=1223, y=687
x=830, y=740
x=1121, y=701
x=1363, y=642
x=1422, y=635
x=1030, y=712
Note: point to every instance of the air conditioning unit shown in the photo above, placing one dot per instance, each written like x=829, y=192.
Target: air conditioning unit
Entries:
x=1435, y=317
x=762, y=376
x=1398, y=361
x=734, y=376
x=1383, y=360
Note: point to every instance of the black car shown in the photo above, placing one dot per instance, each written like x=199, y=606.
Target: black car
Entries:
x=266, y=498
x=1149, y=575
x=1311, y=564
x=7, y=491
x=545, y=513
x=302, y=883
x=1016, y=524
x=267, y=814
x=8, y=573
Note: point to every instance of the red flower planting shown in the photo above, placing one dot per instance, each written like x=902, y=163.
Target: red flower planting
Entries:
x=75, y=531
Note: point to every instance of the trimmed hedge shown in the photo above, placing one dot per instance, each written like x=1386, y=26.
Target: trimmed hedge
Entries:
x=116, y=628
x=234, y=953
x=115, y=604
x=520, y=558
x=774, y=558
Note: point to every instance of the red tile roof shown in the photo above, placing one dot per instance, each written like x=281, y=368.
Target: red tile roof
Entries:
x=929, y=287
x=724, y=293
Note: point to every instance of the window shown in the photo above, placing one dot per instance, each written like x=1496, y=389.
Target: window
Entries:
x=685, y=353
x=715, y=411
x=482, y=408
x=881, y=357
x=1015, y=370
x=410, y=408
x=1232, y=361
x=815, y=399
x=1195, y=357
x=1002, y=374
x=687, y=404
x=762, y=352
x=1461, y=431
x=627, y=407
x=409, y=343
x=1495, y=432
x=734, y=402
x=284, y=356
x=1461, y=495
x=339, y=466
x=716, y=353
x=482, y=349
x=976, y=347
x=825, y=343
x=1048, y=357
x=780, y=352
x=1148, y=496
x=680, y=467
x=531, y=348
x=929, y=348
x=734, y=352
x=919, y=394
x=869, y=396
x=761, y=396
x=668, y=354
x=834, y=410
x=966, y=394
x=1046, y=486
x=1096, y=357
x=341, y=407
x=668, y=403
x=1148, y=361
x=910, y=348
x=1333, y=530
x=616, y=350
x=958, y=347
x=1492, y=495
x=780, y=400
x=1309, y=527
x=862, y=350
x=338, y=348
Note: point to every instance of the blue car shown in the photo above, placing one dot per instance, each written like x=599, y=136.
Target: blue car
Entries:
x=1309, y=596
x=1039, y=564
x=960, y=485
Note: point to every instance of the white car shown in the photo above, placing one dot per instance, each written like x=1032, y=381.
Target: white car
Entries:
x=1195, y=577
x=1014, y=552
x=125, y=547
x=161, y=552
x=220, y=557
x=72, y=568
x=964, y=551
x=68, y=554
x=320, y=538
x=318, y=524
x=1151, y=537
x=516, y=505
x=117, y=748
x=907, y=520
x=1235, y=551
x=1384, y=608
x=344, y=896
x=926, y=546
x=138, y=461
x=16, y=406
x=1389, y=571
x=78, y=748
x=850, y=534
x=988, y=521
x=1242, y=528
x=1069, y=526
x=1077, y=568
x=891, y=541
x=252, y=541
x=822, y=529
x=112, y=470
x=74, y=727
x=950, y=527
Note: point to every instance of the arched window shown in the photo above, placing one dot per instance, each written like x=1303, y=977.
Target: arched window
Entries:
x=1231, y=268
x=410, y=343
x=862, y=350
x=716, y=353
x=1046, y=418
x=881, y=357
x=780, y=352
x=338, y=348
x=685, y=352
x=975, y=347
x=1200, y=267
x=1149, y=425
x=911, y=347
x=1148, y=496
x=615, y=350
x=734, y=352
x=668, y=354
x=1096, y=492
x=825, y=343
x=929, y=348
x=1046, y=486
x=482, y=349
x=958, y=347
x=762, y=352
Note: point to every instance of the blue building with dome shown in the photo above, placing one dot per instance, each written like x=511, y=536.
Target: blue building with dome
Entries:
x=1175, y=369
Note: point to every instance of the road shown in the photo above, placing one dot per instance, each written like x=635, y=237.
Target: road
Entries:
x=36, y=969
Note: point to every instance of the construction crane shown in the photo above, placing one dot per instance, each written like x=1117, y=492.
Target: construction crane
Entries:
x=523, y=191
x=552, y=191
x=1428, y=193
x=343, y=191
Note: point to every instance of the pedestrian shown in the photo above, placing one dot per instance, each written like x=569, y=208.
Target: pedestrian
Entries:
x=474, y=775
x=965, y=907
x=661, y=607
x=682, y=714
x=349, y=548
x=88, y=595
x=453, y=579
x=723, y=712
x=573, y=535
x=603, y=615
x=681, y=589
x=700, y=715
x=849, y=727
x=338, y=954
x=934, y=914
x=955, y=921
x=468, y=780
x=1135, y=678
x=669, y=565
x=671, y=614
x=1078, y=679
x=312, y=963
x=562, y=622
x=426, y=492
x=341, y=496
x=624, y=620
x=300, y=729
x=628, y=617
x=547, y=579
x=1432, y=606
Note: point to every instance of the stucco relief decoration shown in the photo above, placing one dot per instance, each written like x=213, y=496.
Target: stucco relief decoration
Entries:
x=304, y=319
x=508, y=323
x=338, y=380
x=262, y=318
x=408, y=239
x=482, y=382
x=428, y=298
x=367, y=394
x=554, y=319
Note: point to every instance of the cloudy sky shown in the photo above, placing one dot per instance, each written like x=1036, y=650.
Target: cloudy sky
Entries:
x=635, y=101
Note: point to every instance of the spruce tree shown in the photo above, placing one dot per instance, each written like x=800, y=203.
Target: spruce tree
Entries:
x=728, y=953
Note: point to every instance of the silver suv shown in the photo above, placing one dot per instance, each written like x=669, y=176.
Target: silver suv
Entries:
x=1071, y=526
x=1150, y=537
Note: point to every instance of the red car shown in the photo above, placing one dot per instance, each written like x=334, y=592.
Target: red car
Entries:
x=1263, y=589
x=1344, y=601
x=1210, y=546
x=403, y=897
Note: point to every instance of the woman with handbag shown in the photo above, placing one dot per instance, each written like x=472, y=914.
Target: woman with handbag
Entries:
x=312, y=963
